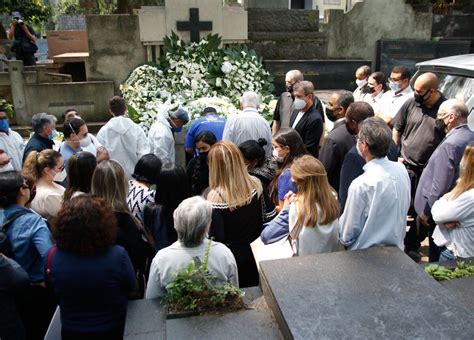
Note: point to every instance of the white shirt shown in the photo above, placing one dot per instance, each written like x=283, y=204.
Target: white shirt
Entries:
x=391, y=102
x=358, y=94
x=317, y=239
x=48, y=200
x=373, y=101
x=459, y=240
x=297, y=119
x=248, y=125
x=175, y=257
x=376, y=207
x=161, y=140
x=125, y=141
x=12, y=144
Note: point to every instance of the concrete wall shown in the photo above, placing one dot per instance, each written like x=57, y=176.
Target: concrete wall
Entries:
x=90, y=98
x=66, y=41
x=114, y=47
x=354, y=34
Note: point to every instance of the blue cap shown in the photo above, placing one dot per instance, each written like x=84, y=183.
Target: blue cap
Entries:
x=180, y=114
x=16, y=15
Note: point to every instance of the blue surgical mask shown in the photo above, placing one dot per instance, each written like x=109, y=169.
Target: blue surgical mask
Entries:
x=53, y=134
x=4, y=126
x=177, y=129
x=395, y=87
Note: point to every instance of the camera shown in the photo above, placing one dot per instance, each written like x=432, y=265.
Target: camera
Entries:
x=21, y=22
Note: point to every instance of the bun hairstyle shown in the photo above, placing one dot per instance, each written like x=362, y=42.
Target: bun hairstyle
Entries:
x=253, y=150
x=36, y=162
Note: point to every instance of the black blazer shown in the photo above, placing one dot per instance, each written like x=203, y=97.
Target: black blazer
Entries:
x=335, y=146
x=310, y=128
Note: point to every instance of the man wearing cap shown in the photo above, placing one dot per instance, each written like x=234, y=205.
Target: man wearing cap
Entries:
x=209, y=121
x=161, y=136
x=24, y=45
x=125, y=141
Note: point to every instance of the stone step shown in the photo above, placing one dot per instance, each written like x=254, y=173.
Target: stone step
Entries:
x=377, y=293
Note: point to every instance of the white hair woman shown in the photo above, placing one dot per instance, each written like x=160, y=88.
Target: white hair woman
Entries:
x=192, y=220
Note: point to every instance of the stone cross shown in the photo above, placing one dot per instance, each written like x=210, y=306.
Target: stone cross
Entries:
x=194, y=26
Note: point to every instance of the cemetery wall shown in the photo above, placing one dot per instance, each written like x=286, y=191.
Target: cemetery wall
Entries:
x=115, y=48
x=354, y=34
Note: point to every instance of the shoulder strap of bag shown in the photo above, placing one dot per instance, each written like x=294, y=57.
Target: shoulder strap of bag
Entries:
x=13, y=217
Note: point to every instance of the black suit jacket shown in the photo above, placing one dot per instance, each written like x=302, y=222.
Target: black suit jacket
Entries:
x=310, y=128
x=336, y=144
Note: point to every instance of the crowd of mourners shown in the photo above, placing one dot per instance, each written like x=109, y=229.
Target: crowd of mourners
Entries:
x=93, y=221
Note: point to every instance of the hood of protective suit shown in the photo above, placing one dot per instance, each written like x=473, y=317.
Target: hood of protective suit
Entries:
x=120, y=124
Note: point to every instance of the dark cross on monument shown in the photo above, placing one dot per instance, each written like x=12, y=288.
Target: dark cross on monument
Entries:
x=194, y=26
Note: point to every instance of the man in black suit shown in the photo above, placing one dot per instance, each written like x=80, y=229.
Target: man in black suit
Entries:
x=305, y=117
x=339, y=141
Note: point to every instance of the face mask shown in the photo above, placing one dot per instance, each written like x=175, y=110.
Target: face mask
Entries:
x=440, y=125
x=203, y=156
x=4, y=126
x=85, y=142
x=361, y=83
x=277, y=158
x=358, y=150
x=53, y=134
x=330, y=114
x=299, y=104
x=370, y=89
x=395, y=87
x=60, y=176
x=7, y=167
x=289, y=88
x=420, y=98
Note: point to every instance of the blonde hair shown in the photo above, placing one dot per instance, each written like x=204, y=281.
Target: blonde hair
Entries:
x=36, y=162
x=466, y=173
x=229, y=176
x=313, y=189
x=110, y=183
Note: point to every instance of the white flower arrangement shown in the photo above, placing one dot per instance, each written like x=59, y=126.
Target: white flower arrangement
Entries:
x=195, y=76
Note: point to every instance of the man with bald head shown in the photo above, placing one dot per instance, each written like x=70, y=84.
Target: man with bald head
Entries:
x=442, y=170
x=416, y=132
x=362, y=78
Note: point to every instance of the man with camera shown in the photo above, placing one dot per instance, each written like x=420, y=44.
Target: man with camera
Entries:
x=24, y=45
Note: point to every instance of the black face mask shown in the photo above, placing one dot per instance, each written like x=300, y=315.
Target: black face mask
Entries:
x=420, y=98
x=289, y=88
x=370, y=89
x=330, y=114
x=440, y=125
x=203, y=157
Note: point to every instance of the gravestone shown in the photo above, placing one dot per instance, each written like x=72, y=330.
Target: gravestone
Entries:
x=191, y=20
x=376, y=293
x=391, y=53
x=325, y=74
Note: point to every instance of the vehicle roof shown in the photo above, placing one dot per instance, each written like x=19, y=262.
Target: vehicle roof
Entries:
x=458, y=64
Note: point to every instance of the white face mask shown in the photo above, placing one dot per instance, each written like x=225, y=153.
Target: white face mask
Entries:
x=277, y=157
x=7, y=167
x=361, y=83
x=85, y=142
x=299, y=104
x=359, y=151
x=60, y=176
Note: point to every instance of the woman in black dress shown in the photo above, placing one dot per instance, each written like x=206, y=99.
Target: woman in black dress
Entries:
x=239, y=207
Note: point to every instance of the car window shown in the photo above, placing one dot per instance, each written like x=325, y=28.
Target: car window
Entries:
x=453, y=86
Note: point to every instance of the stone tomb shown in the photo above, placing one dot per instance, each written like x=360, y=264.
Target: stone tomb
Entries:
x=391, y=53
x=377, y=293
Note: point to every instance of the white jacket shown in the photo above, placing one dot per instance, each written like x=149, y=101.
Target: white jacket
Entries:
x=13, y=145
x=125, y=141
x=161, y=139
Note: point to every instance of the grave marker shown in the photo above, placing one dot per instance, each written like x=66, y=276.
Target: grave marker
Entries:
x=194, y=26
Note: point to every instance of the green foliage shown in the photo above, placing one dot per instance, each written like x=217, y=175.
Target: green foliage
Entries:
x=440, y=273
x=33, y=11
x=68, y=7
x=194, y=288
x=7, y=107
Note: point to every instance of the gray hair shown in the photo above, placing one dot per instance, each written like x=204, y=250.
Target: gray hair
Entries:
x=250, y=99
x=457, y=107
x=377, y=135
x=344, y=98
x=39, y=120
x=192, y=219
x=295, y=75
